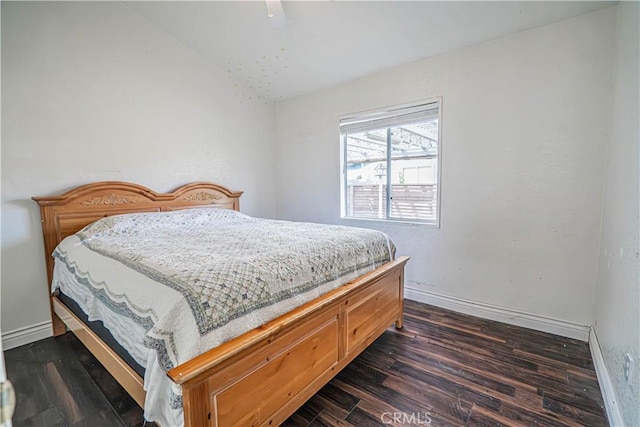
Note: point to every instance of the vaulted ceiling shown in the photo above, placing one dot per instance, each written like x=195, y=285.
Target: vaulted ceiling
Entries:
x=322, y=43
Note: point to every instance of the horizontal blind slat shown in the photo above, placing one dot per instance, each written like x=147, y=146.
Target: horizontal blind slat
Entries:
x=389, y=118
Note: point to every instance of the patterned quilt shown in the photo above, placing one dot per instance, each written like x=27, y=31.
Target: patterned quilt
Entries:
x=190, y=280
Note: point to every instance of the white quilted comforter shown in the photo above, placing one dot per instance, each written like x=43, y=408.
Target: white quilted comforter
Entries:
x=172, y=285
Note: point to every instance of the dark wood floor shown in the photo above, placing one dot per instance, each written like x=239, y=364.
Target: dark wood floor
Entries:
x=442, y=369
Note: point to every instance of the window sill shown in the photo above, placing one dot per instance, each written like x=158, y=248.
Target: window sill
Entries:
x=393, y=221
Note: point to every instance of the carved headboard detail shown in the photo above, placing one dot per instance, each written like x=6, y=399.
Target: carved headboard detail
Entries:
x=68, y=213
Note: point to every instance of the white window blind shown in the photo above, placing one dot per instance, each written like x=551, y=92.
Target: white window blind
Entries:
x=389, y=118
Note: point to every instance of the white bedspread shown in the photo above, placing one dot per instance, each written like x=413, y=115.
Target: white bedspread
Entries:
x=170, y=286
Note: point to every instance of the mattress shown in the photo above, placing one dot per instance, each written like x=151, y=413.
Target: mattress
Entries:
x=169, y=286
x=97, y=326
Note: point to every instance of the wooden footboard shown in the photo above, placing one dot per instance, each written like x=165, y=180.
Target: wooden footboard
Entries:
x=263, y=376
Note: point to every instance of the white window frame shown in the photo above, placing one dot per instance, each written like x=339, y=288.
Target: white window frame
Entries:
x=343, y=164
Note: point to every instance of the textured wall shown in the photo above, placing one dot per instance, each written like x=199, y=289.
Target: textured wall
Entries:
x=617, y=307
x=91, y=91
x=525, y=126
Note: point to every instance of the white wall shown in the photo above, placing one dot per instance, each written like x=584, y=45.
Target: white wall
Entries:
x=617, y=306
x=525, y=128
x=91, y=91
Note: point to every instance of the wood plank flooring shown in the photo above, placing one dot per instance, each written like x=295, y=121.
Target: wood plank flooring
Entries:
x=442, y=369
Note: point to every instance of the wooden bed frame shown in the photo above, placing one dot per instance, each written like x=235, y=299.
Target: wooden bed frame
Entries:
x=263, y=376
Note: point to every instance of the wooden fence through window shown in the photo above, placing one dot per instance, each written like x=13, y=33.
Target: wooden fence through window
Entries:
x=408, y=201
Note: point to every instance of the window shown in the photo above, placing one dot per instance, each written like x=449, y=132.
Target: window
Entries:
x=391, y=163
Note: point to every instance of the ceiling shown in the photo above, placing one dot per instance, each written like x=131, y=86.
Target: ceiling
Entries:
x=323, y=43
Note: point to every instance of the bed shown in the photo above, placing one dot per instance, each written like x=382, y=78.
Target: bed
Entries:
x=261, y=376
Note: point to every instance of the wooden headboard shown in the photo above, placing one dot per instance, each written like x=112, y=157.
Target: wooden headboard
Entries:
x=68, y=213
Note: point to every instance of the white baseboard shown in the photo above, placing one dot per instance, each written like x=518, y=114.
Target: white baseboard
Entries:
x=604, y=380
x=501, y=314
x=26, y=335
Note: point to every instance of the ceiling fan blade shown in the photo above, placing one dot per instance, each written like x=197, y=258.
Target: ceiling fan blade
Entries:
x=275, y=13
